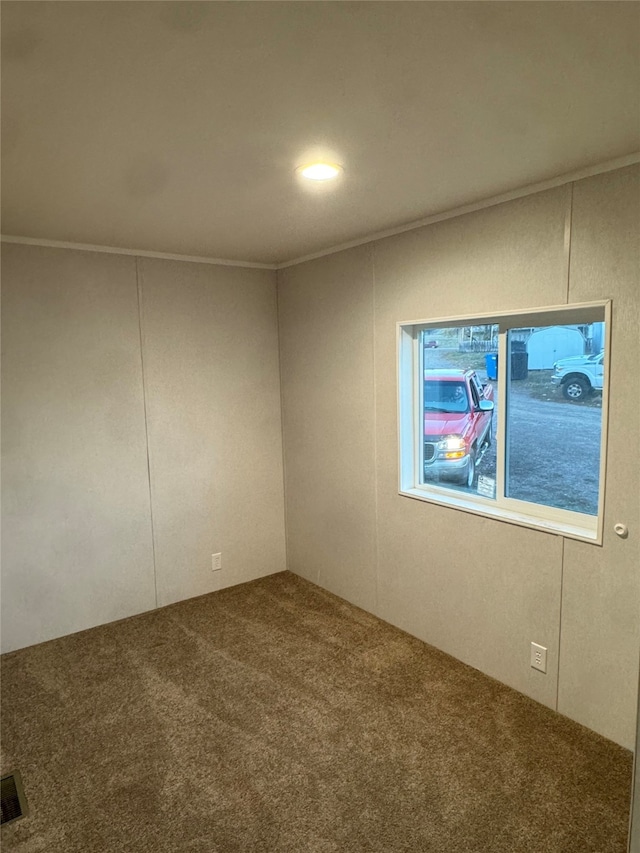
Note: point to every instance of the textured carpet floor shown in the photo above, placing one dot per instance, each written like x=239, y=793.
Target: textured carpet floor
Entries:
x=275, y=717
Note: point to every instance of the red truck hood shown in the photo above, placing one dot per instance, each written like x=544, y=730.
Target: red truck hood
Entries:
x=444, y=424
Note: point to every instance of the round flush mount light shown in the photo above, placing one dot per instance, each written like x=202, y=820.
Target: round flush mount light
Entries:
x=320, y=171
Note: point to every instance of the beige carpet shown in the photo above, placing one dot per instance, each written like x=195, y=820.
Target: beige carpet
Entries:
x=276, y=717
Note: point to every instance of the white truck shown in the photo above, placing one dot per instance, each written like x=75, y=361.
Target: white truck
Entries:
x=579, y=375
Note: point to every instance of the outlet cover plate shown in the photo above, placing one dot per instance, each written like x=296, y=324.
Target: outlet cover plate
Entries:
x=538, y=657
x=216, y=562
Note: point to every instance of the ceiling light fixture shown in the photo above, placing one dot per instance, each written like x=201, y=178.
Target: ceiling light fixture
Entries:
x=320, y=171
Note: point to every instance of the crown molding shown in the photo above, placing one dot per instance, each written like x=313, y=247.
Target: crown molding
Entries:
x=139, y=253
x=530, y=189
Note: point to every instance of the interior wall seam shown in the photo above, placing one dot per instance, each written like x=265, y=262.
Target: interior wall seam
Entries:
x=376, y=546
x=568, y=237
x=568, y=231
x=146, y=427
x=562, y=539
x=282, y=424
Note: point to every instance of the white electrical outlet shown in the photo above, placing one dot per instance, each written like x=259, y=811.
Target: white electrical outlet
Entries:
x=216, y=562
x=538, y=657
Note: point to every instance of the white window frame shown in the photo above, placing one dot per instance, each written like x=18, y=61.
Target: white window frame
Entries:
x=573, y=525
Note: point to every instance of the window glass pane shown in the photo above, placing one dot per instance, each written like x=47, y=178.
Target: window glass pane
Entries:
x=458, y=409
x=554, y=415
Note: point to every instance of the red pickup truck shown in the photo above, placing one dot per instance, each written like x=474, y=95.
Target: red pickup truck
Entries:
x=458, y=424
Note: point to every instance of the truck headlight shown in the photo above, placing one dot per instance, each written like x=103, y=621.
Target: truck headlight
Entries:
x=452, y=442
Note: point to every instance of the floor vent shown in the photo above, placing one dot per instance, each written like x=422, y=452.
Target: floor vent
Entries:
x=14, y=804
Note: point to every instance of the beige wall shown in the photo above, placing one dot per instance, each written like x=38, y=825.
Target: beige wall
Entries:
x=215, y=439
x=329, y=424
x=601, y=589
x=79, y=529
x=478, y=588
x=76, y=530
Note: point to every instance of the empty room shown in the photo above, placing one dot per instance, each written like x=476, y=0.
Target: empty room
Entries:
x=320, y=427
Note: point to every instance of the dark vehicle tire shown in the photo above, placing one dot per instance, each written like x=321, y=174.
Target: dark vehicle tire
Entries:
x=575, y=388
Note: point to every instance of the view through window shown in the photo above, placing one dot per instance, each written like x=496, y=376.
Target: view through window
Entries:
x=510, y=412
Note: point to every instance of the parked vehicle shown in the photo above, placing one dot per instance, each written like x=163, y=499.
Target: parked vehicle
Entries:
x=579, y=375
x=431, y=344
x=458, y=424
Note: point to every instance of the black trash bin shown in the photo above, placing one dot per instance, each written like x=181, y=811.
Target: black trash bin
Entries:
x=519, y=365
x=519, y=362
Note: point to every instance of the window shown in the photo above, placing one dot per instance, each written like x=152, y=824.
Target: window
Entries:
x=503, y=415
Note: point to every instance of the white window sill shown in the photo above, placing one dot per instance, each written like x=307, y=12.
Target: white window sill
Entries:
x=488, y=509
